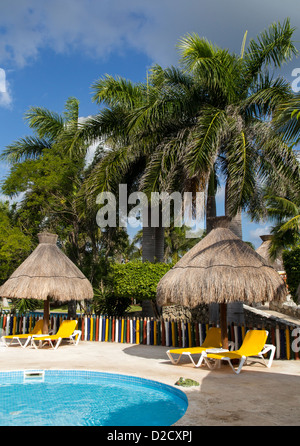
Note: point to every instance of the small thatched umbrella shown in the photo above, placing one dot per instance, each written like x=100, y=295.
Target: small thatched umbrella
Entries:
x=47, y=273
x=263, y=250
x=220, y=268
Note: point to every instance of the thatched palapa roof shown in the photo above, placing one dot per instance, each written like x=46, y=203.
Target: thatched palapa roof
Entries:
x=263, y=250
x=220, y=268
x=47, y=273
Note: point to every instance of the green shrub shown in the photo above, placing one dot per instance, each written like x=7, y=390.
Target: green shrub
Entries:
x=291, y=261
x=105, y=302
x=26, y=305
x=136, y=280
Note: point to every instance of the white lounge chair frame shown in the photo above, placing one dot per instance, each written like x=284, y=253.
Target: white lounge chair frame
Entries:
x=72, y=338
x=18, y=341
x=190, y=353
x=243, y=360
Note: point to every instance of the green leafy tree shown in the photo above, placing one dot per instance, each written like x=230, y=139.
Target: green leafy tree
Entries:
x=14, y=244
x=50, y=180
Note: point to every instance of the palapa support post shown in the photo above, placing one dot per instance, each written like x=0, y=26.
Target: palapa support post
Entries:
x=46, y=315
x=223, y=325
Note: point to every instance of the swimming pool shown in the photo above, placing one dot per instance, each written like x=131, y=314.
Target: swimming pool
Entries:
x=86, y=398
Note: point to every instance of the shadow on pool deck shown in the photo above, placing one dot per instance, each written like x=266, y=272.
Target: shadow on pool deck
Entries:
x=253, y=398
x=257, y=396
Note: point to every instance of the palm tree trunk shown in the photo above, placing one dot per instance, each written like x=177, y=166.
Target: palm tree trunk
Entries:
x=152, y=251
x=236, y=222
x=236, y=225
x=153, y=242
x=74, y=255
x=211, y=209
x=159, y=239
x=148, y=244
x=235, y=310
x=148, y=240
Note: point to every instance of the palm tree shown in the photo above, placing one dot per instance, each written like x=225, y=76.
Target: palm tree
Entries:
x=126, y=157
x=228, y=131
x=126, y=128
x=176, y=244
x=282, y=207
x=48, y=128
x=232, y=133
x=286, y=214
x=209, y=120
x=189, y=126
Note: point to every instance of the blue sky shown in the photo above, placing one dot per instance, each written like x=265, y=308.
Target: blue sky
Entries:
x=50, y=50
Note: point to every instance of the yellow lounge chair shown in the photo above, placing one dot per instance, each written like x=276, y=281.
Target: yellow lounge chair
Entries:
x=37, y=330
x=252, y=346
x=212, y=340
x=65, y=331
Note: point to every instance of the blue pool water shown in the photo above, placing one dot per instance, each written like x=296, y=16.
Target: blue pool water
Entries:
x=86, y=398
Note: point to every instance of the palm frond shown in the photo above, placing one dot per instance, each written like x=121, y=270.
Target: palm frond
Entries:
x=46, y=124
x=267, y=95
x=116, y=91
x=216, y=68
x=276, y=155
x=204, y=144
x=71, y=113
x=164, y=165
x=108, y=173
x=240, y=173
x=194, y=50
x=28, y=147
x=273, y=46
x=292, y=224
x=287, y=118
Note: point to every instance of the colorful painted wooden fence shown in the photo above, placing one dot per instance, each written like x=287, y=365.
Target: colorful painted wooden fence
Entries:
x=152, y=331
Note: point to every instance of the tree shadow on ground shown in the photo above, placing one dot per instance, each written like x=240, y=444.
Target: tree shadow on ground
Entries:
x=258, y=396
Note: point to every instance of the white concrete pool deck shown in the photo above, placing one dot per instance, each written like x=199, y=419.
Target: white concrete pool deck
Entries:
x=258, y=396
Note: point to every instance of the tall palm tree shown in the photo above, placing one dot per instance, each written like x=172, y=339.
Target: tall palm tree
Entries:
x=131, y=127
x=128, y=154
x=209, y=118
x=232, y=131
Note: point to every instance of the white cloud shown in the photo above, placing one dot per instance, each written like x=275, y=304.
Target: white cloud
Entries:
x=258, y=231
x=151, y=27
x=6, y=96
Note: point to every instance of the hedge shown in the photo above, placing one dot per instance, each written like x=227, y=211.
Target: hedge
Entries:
x=136, y=279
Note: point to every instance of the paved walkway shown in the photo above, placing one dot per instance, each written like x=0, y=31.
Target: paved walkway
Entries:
x=257, y=396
